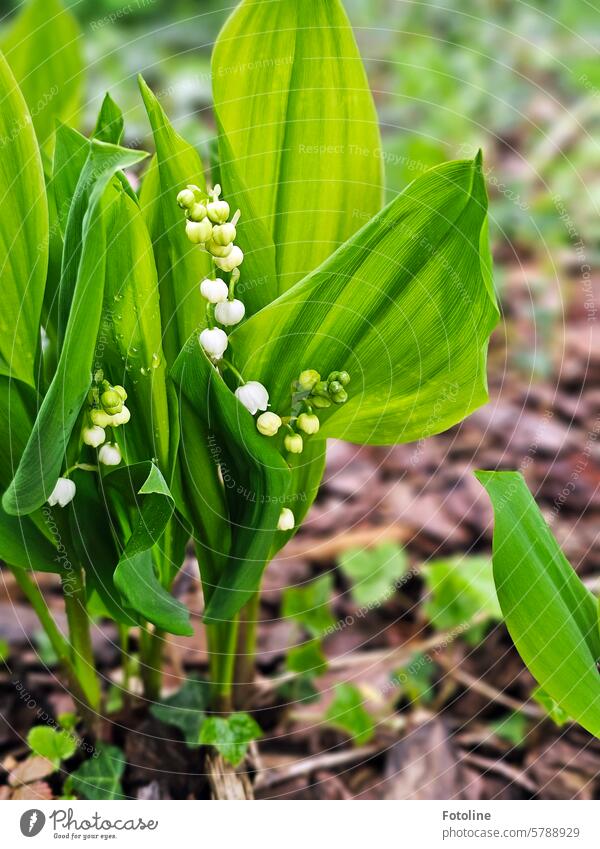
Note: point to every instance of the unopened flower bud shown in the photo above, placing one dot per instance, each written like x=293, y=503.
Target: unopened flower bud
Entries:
x=198, y=232
x=214, y=291
x=320, y=402
x=293, y=443
x=101, y=418
x=121, y=391
x=197, y=212
x=334, y=386
x=214, y=342
x=110, y=454
x=308, y=379
x=63, y=492
x=220, y=251
x=268, y=424
x=93, y=436
x=344, y=378
x=112, y=401
x=308, y=422
x=228, y=263
x=339, y=397
x=253, y=396
x=121, y=418
x=224, y=234
x=185, y=198
x=321, y=389
x=218, y=211
x=286, y=520
x=230, y=312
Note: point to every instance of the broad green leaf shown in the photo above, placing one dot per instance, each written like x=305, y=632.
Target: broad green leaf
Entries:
x=81, y=296
x=550, y=614
x=131, y=330
x=373, y=572
x=348, y=713
x=309, y=605
x=255, y=479
x=186, y=709
x=461, y=595
x=231, y=736
x=406, y=307
x=23, y=233
x=135, y=575
x=43, y=48
x=181, y=265
x=306, y=659
x=110, y=124
x=50, y=743
x=292, y=97
x=100, y=776
x=71, y=151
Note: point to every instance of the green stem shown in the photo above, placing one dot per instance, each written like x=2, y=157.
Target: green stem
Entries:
x=245, y=661
x=151, y=646
x=222, y=644
x=233, y=369
x=82, y=655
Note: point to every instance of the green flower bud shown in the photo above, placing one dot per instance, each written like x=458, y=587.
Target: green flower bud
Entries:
x=121, y=391
x=224, y=234
x=321, y=389
x=293, y=443
x=308, y=379
x=218, y=250
x=308, y=422
x=268, y=424
x=339, y=397
x=344, y=378
x=320, y=402
x=112, y=401
x=198, y=232
x=101, y=418
x=197, y=212
x=185, y=198
x=334, y=386
x=218, y=211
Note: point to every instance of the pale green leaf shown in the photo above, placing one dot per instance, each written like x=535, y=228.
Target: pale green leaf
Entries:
x=231, y=736
x=373, y=572
x=347, y=712
x=550, y=614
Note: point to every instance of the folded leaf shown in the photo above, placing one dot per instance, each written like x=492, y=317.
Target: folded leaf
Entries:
x=23, y=233
x=110, y=124
x=81, y=294
x=292, y=97
x=255, y=479
x=135, y=574
x=550, y=614
x=43, y=47
x=406, y=307
x=181, y=265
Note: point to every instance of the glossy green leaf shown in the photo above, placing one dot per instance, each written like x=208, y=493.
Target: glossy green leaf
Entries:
x=550, y=614
x=135, y=575
x=100, y=776
x=231, y=736
x=43, y=48
x=23, y=233
x=347, y=712
x=81, y=297
x=292, y=97
x=110, y=124
x=373, y=572
x=181, y=265
x=406, y=307
x=255, y=479
x=186, y=709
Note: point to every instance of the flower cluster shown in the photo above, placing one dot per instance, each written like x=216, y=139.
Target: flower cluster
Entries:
x=105, y=408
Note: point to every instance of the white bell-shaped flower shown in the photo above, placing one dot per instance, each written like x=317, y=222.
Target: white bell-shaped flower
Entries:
x=63, y=492
x=214, y=291
x=286, y=520
x=214, y=342
x=253, y=396
x=230, y=312
x=93, y=436
x=228, y=263
x=110, y=454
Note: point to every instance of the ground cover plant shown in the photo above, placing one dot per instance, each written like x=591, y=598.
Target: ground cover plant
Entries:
x=179, y=340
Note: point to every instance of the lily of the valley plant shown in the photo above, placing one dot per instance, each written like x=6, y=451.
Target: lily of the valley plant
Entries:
x=174, y=359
